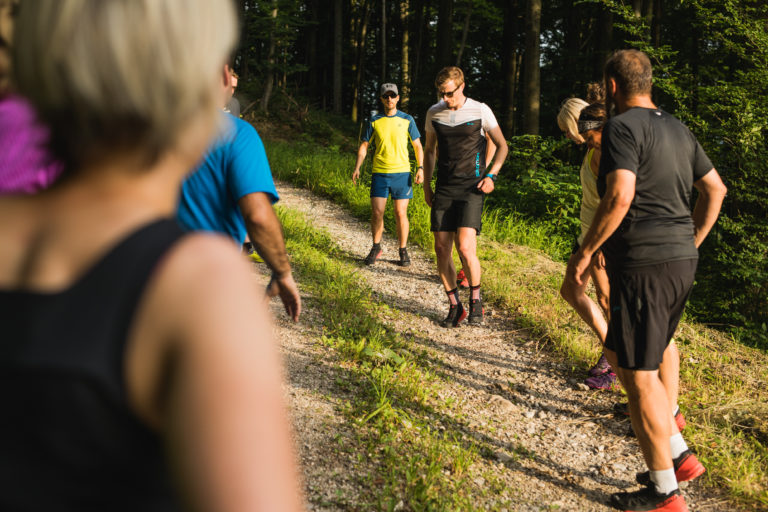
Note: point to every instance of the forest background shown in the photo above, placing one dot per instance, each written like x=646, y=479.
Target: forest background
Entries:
x=523, y=58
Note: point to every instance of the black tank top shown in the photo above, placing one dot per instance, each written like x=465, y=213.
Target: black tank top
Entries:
x=69, y=440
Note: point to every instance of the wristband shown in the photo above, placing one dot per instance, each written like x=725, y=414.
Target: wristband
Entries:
x=492, y=176
x=420, y=167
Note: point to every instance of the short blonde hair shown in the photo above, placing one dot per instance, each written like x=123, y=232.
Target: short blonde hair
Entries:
x=568, y=116
x=449, y=73
x=120, y=75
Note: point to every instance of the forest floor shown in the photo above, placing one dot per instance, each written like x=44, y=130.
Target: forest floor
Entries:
x=542, y=441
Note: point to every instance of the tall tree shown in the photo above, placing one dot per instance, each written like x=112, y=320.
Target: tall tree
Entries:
x=465, y=31
x=444, y=55
x=383, y=41
x=509, y=66
x=362, y=32
x=270, y=82
x=532, y=85
x=338, y=35
x=405, y=79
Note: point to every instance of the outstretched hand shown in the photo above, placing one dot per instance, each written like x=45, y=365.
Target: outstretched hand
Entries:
x=286, y=288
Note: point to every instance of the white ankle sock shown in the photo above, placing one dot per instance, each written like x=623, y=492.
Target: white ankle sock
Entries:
x=677, y=445
x=664, y=480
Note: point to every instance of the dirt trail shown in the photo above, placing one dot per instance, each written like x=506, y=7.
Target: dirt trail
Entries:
x=513, y=395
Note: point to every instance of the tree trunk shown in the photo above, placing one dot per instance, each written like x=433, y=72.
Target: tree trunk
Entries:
x=603, y=45
x=312, y=63
x=338, y=35
x=532, y=67
x=464, y=32
x=656, y=25
x=405, y=78
x=444, y=55
x=365, y=16
x=423, y=23
x=509, y=67
x=383, y=41
x=270, y=60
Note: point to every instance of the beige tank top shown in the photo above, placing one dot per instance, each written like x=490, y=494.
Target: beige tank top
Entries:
x=590, y=199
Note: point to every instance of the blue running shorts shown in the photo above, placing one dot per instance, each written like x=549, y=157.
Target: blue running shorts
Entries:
x=397, y=184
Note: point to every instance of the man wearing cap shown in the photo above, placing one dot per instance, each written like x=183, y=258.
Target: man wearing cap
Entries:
x=389, y=134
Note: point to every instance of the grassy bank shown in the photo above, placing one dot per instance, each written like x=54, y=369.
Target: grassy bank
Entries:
x=723, y=383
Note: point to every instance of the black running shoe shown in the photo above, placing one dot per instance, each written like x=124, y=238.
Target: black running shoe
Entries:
x=647, y=499
x=476, y=312
x=373, y=255
x=456, y=314
x=405, y=260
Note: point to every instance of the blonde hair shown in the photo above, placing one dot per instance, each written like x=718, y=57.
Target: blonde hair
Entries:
x=120, y=75
x=568, y=117
x=449, y=73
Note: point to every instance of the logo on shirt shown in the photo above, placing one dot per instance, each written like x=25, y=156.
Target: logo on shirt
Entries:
x=470, y=124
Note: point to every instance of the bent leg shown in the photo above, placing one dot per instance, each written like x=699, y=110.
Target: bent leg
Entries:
x=669, y=373
x=602, y=288
x=577, y=297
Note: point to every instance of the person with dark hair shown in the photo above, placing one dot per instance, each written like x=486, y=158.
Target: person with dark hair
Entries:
x=139, y=367
x=649, y=166
x=457, y=126
x=389, y=134
x=588, y=128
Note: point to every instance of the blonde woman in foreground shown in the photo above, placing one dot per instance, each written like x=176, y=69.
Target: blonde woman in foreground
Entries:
x=138, y=368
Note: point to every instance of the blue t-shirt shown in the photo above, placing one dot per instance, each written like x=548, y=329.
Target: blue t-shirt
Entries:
x=235, y=165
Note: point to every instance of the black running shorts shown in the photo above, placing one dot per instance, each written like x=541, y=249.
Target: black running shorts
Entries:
x=449, y=213
x=646, y=305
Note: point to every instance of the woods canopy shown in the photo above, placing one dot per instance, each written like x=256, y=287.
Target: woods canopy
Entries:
x=523, y=58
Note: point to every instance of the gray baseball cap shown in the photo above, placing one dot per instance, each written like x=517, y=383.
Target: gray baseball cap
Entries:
x=385, y=88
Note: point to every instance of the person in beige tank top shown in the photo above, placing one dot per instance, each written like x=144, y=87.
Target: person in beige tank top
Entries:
x=601, y=375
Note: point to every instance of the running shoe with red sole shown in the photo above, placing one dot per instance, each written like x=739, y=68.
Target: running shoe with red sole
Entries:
x=456, y=314
x=647, y=499
x=461, y=279
x=372, y=256
x=680, y=421
x=687, y=467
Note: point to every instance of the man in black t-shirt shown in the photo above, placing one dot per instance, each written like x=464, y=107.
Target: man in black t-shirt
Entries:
x=650, y=164
x=456, y=128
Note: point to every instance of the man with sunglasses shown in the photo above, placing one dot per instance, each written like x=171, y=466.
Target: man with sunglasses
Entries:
x=458, y=125
x=389, y=134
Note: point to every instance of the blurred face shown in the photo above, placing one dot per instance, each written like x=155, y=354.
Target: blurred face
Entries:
x=389, y=100
x=593, y=138
x=451, y=94
x=233, y=83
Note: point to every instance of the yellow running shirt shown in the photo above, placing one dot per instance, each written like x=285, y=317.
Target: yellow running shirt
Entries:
x=389, y=136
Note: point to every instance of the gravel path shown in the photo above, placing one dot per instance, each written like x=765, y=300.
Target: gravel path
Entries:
x=513, y=396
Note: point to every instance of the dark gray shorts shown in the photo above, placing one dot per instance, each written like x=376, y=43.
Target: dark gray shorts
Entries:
x=646, y=306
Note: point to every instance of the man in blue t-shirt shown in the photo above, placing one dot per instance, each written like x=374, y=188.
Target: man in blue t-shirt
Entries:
x=232, y=192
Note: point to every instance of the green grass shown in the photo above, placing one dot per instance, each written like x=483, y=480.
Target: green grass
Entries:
x=395, y=390
x=723, y=383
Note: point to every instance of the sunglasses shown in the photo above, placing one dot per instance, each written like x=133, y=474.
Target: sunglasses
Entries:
x=389, y=95
x=448, y=94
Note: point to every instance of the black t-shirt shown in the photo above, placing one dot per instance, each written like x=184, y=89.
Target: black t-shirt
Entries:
x=667, y=159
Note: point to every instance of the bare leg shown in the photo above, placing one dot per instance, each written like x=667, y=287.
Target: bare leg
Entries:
x=602, y=288
x=669, y=373
x=401, y=219
x=467, y=242
x=443, y=251
x=377, y=217
x=576, y=296
x=649, y=410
